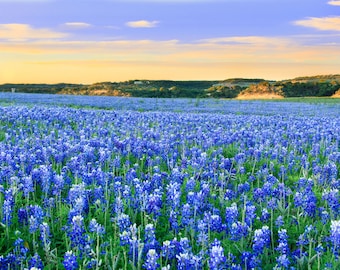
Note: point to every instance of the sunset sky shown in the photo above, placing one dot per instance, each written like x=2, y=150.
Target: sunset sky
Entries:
x=88, y=41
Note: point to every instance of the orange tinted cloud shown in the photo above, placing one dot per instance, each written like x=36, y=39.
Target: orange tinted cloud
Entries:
x=77, y=25
x=142, y=24
x=25, y=32
x=219, y=58
x=334, y=3
x=326, y=23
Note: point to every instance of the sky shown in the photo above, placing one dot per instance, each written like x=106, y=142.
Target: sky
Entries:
x=89, y=41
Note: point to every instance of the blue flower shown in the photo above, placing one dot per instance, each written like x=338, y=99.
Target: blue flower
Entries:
x=95, y=227
x=283, y=261
x=264, y=215
x=185, y=261
x=231, y=215
x=45, y=234
x=77, y=233
x=7, y=207
x=216, y=256
x=36, y=262
x=150, y=241
x=279, y=221
x=124, y=238
x=36, y=215
x=123, y=222
x=151, y=260
x=261, y=239
x=238, y=231
x=335, y=236
x=202, y=236
x=283, y=247
x=70, y=261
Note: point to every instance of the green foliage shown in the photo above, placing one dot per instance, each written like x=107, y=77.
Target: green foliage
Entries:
x=317, y=86
x=309, y=89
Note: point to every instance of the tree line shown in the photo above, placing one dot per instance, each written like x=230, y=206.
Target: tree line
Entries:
x=179, y=89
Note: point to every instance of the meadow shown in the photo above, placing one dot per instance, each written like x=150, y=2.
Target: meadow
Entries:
x=132, y=183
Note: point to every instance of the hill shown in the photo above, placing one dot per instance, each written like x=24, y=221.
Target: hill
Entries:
x=317, y=86
x=262, y=90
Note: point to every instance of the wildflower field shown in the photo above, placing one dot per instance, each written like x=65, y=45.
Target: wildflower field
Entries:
x=118, y=183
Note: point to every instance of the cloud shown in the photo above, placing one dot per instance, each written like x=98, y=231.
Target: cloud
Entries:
x=142, y=24
x=77, y=25
x=325, y=24
x=254, y=40
x=222, y=57
x=22, y=32
x=334, y=3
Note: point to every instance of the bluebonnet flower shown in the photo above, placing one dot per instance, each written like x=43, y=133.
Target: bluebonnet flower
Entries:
x=93, y=263
x=307, y=235
x=45, y=176
x=191, y=197
x=134, y=245
x=191, y=184
x=96, y=228
x=187, y=216
x=249, y=260
x=8, y=262
x=243, y=188
x=231, y=215
x=36, y=215
x=184, y=245
x=151, y=260
x=173, y=220
x=261, y=239
x=123, y=221
x=324, y=215
x=283, y=247
x=272, y=203
x=154, y=203
x=250, y=214
x=185, y=261
x=45, y=234
x=70, y=261
x=328, y=174
x=235, y=267
x=77, y=233
x=98, y=196
x=117, y=185
x=20, y=251
x=150, y=241
x=77, y=197
x=216, y=223
x=36, y=262
x=332, y=198
x=27, y=185
x=279, y=221
x=229, y=194
x=283, y=261
x=319, y=249
x=173, y=194
x=168, y=250
x=238, y=231
x=305, y=197
x=335, y=236
x=216, y=256
x=124, y=238
x=7, y=207
x=118, y=207
x=264, y=215
x=202, y=236
x=258, y=195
